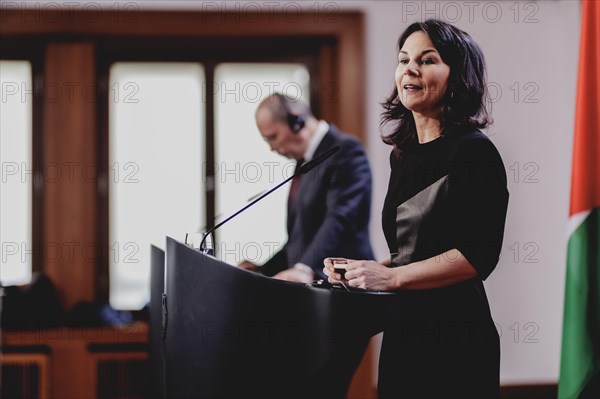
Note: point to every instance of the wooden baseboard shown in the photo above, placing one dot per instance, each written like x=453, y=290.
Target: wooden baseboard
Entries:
x=548, y=391
x=542, y=391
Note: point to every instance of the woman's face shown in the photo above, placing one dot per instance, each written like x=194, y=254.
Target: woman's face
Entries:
x=421, y=75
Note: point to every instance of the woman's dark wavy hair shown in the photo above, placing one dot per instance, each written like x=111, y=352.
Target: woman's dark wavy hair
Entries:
x=463, y=104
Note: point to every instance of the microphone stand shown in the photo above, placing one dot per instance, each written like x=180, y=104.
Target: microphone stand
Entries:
x=209, y=250
x=307, y=167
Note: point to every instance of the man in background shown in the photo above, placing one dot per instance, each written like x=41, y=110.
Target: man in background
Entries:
x=328, y=214
x=328, y=208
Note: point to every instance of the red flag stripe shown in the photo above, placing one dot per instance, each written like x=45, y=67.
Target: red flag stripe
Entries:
x=585, y=177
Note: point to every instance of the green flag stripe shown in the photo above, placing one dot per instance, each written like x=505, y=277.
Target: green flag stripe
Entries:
x=580, y=357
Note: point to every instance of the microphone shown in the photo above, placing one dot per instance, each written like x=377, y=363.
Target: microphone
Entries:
x=302, y=170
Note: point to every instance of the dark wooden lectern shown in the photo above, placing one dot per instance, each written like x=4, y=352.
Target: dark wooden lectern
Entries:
x=233, y=333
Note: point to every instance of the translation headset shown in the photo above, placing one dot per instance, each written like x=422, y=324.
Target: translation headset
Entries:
x=295, y=122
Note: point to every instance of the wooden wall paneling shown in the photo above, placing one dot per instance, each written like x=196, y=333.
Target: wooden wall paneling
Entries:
x=364, y=382
x=346, y=27
x=41, y=361
x=120, y=374
x=327, y=88
x=72, y=368
x=351, y=75
x=70, y=250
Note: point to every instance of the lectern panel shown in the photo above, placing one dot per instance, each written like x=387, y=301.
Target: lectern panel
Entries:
x=234, y=333
x=157, y=283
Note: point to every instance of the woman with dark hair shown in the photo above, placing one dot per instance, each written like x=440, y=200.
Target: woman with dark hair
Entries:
x=443, y=219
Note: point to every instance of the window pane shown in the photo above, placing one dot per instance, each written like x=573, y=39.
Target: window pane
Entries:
x=245, y=164
x=156, y=148
x=16, y=160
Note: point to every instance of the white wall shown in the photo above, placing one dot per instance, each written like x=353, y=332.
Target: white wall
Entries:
x=532, y=44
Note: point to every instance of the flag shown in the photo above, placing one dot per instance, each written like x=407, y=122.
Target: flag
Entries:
x=580, y=355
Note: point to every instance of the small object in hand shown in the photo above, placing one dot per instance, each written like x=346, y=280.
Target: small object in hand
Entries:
x=340, y=268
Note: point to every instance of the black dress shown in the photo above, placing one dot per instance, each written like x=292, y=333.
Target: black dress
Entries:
x=444, y=194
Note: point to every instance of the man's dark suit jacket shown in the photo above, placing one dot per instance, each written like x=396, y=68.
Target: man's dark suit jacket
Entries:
x=329, y=215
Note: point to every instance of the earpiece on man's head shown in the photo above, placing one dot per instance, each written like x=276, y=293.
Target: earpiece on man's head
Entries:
x=296, y=122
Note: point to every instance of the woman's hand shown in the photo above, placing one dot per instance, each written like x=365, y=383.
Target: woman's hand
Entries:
x=371, y=275
x=333, y=276
x=366, y=274
x=448, y=268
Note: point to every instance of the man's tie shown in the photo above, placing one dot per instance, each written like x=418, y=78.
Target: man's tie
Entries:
x=295, y=183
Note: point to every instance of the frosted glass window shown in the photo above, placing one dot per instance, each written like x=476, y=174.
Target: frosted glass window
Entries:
x=156, y=149
x=245, y=164
x=16, y=160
